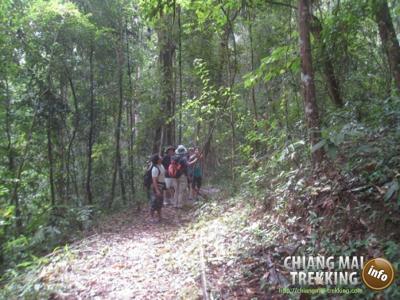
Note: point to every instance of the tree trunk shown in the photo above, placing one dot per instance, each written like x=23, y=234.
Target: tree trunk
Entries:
x=49, y=98
x=19, y=170
x=219, y=81
x=62, y=132
x=328, y=69
x=307, y=80
x=180, y=76
x=157, y=139
x=233, y=143
x=11, y=161
x=253, y=92
x=167, y=52
x=389, y=39
x=10, y=149
x=118, y=159
x=131, y=120
x=89, y=196
x=72, y=139
x=232, y=69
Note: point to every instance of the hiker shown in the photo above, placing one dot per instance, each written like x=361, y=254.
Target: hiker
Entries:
x=170, y=182
x=197, y=172
x=157, y=186
x=178, y=170
x=190, y=172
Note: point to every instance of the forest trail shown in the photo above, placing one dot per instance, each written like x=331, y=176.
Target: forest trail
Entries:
x=127, y=258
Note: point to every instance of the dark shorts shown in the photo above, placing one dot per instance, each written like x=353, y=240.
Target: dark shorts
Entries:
x=156, y=202
x=196, y=182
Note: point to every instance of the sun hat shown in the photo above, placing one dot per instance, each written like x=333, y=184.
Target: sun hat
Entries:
x=180, y=150
x=170, y=147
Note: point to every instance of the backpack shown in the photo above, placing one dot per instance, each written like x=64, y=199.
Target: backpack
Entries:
x=147, y=178
x=175, y=168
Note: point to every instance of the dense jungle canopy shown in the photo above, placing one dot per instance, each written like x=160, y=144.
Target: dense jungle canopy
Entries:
x=294, y=104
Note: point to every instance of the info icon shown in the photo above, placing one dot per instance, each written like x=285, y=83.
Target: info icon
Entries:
x=378, y=274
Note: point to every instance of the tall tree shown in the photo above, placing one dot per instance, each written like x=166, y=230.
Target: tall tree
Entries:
x=131, y=108
x=389, y=40
x=180, y=75
x=118, y=156
x=252, y=65
x=167, y=52
x=88, y=186
x=307, y=81
x=327, y=64
x=50, y=100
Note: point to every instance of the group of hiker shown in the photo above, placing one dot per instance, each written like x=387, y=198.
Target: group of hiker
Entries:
x=175, y=177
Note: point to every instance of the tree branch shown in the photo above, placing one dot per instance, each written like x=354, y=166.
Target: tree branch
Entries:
x=282, y=4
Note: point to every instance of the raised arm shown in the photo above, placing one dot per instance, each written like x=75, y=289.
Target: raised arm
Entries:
x=194, y=160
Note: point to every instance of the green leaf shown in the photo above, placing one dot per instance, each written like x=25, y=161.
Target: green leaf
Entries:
x=25, y=264
x=332, y=150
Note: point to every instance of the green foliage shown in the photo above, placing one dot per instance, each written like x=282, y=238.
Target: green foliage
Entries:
x=65, y=66
x=213, y=101
x=280, y=61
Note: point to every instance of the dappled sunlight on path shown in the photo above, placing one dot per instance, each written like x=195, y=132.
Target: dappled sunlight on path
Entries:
x=125, y=259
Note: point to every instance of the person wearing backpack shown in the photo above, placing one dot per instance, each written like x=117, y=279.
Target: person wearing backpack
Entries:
x=178, y=169
x=157, y=187
x=170, y=182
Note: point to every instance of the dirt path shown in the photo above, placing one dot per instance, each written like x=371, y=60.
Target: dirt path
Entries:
x=128, y=258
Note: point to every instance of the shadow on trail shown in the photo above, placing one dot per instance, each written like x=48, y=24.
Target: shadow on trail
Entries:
x=126, y=257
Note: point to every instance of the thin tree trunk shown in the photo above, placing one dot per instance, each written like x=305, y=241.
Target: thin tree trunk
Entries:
x=88, y=186
x=50, y=99
x=307, y=80
x=223, y=58
x=118, y=160
x=389, y=39
x=231, y=69
x=74, y=179
x=62, y=131
x=161, y=140
x=114, y=181
x=14, y=195
x=219, y=80
x=11, y=161
x=10, y=149
x=328, y=69
x=157, y=139
x=180, y=76
x=253, y=92
x=167, y=52
x=233, y=143
x=131, y=120
x=74, y=131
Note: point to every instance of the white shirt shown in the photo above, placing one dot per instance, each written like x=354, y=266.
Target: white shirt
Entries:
x=156, y=173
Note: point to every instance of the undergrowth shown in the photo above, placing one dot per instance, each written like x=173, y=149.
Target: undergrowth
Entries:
x=348, y=206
